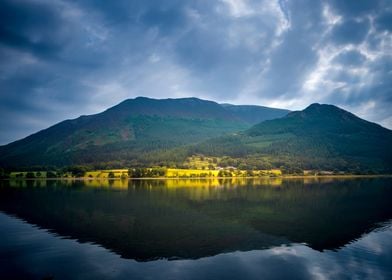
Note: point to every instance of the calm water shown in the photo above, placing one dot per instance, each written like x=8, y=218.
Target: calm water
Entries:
x=194, y=229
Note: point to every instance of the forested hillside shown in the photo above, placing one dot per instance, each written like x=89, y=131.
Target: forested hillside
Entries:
x=321, y=137
x=129, y=132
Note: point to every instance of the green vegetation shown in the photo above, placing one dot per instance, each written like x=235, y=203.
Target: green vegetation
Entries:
x=320, y=138
x=155, y=172
x=196, y=134
x=124, y=134
x=146, y=172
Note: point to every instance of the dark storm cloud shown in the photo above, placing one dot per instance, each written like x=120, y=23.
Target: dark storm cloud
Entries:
x=16, y=24
x=61, y=59
x=34, y=27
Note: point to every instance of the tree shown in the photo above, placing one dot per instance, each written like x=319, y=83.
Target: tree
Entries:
x=77, y=171
x=4, y=174
x=50, y=174
x=30, y=175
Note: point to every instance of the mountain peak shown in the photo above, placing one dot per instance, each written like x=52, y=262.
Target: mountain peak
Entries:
x=318, y=119
x=191, y=98
x=141, y=98
x=314, y=105
x=317, y=107
x=322, y=111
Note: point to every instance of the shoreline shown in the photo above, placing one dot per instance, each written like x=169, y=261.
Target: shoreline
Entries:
x=208, y=178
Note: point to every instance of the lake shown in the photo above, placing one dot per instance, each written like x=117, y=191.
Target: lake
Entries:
x=305, y=228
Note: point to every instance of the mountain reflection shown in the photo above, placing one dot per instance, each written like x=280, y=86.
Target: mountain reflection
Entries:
x=151, y=219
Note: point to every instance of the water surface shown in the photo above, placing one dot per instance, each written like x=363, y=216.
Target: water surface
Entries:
x=196, y=229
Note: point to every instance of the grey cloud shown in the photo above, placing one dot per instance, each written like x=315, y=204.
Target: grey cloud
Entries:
x=167, y=20
x=350, y=58
x=350, y=32
x=384, y=21
x=372, y=100
x=354, y=8
x=33, y=27
x=61, y=59
x=290, y=64
x=292, y=60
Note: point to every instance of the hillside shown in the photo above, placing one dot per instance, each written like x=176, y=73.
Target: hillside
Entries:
x=253, y=114
x=321, y=137
x=122, y=134
x=147, y=132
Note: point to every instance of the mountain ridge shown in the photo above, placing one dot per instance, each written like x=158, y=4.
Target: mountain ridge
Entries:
x=134, y=125
x=318, y=137
x=150, y=132
x=254, y=113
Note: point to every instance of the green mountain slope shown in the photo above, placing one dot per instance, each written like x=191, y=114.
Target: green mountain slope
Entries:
x=255, y=114
x=125, y=132
x=146, y=132
x=319, y=137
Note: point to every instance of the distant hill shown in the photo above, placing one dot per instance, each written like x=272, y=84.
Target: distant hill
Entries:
x=321, y=137
x=124, y=133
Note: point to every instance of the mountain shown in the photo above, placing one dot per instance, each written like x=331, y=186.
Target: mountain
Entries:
x=255, y=114
x=124, y=133
x=147, y=132
x=321, y=137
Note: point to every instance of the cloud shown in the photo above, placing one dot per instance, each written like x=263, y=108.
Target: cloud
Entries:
x=384, y=21
x=350, y=58
x=61, y=59
x=23, y=29
x=354, y=8
x=350, y=32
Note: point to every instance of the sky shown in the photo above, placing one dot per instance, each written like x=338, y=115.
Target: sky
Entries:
x=61, y=59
